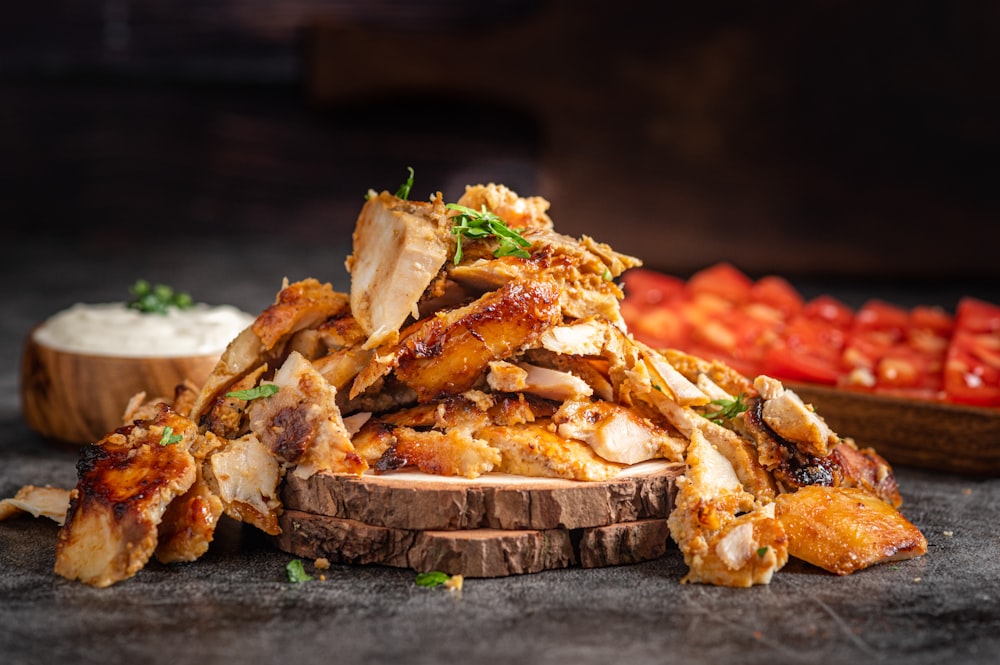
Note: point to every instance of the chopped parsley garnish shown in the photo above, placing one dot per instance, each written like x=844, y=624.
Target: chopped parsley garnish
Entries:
x=482, y=223
x=263, y=390
x=761, y=551
x=728, y=409
x=432, y=579
x=296, y=571
x=157, y=299
x=607, y=276
x=404, y=190
x=169, y=438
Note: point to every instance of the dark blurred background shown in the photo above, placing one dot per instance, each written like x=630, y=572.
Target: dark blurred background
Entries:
x=816, y=139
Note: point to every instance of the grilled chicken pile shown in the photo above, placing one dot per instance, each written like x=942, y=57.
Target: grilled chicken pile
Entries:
x=455, y=358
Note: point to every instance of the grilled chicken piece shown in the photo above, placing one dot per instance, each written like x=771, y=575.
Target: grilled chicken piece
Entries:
x=618, y=434
x=341, y=366
x=51, y=502
x=542, y=381
x=793, y=468
x=726, y=537
x=452, y=452
x=188, y=525
x=225, y=416
x=533, y=449
x=790, y=418
x=126, y=481
x=511, y=410
x=446, y=442
x=584, y=277
x=587, y=337
x=373, y=439
x=298, y=306
x=844, y=529
x=301, y=424
x=741, y=453
x=399, y=247
x=448, y=353
x=866, y=469
x=245, y=476
x=698, y=371
x=592, y=371
x=517, y=212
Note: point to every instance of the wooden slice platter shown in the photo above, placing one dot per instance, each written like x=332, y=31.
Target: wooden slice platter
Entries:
x=931, y=435
x=491, y=526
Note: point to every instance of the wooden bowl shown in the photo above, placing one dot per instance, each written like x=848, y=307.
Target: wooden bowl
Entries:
x=79, y=398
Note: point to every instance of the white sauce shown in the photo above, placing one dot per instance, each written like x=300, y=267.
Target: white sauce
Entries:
x=112, y=329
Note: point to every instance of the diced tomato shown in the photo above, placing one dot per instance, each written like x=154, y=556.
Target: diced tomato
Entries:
x=972, y=367
x=809, y=350
x=796, y=364
x=648, y=288
x=968, y=381
x=933, y=319
x=764, y=327
x=778, y=293
x=978, y=316
x=831, y=310
x=660, y=328
x=723, y=280
x=881, y=316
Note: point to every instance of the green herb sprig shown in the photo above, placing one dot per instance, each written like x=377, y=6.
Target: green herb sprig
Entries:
x=728, y=409
x=482, y=223
x=168, y=438
x=157, y=299
x=263, y=390
x=404, y=190
x=432, y=579
x=296, y=572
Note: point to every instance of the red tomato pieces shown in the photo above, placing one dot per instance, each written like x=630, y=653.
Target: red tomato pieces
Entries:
x=972, y=365
x=765, y=327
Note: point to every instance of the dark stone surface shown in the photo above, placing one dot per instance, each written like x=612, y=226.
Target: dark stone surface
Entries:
x=235, y=604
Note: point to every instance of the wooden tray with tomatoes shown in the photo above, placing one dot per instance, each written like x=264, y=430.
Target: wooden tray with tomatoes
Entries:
x=921, y=385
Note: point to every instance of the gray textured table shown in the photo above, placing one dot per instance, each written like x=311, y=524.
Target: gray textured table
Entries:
x=235, y=605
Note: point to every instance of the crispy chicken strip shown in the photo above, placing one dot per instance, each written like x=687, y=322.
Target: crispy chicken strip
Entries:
x=448, y=353
x=844, y=529
x=126, y=481
x=298, y=306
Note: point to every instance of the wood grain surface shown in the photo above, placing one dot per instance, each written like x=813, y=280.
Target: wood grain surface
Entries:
x=78, y=398
x=418, y=501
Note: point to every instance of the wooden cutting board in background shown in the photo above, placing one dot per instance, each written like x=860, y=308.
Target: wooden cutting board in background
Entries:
x=942, y=437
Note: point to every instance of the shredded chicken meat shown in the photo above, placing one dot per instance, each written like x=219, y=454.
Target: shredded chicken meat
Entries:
x=496, y=363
